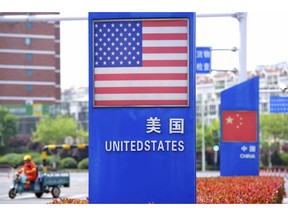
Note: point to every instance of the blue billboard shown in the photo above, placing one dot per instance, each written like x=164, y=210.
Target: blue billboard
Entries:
x=239, y=148
x=203, y=60
x=278, y=104
x=142, y=108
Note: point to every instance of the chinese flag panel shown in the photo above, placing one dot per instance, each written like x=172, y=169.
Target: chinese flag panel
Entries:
x=239, y=126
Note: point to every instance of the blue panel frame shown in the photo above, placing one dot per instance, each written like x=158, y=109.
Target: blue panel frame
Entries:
x=233, y=160
x=142, y=176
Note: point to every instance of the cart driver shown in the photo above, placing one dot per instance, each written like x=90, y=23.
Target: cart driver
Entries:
x=29, y=169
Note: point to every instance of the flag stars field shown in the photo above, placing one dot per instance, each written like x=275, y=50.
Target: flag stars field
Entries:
x=233, y=130
x=229, y=120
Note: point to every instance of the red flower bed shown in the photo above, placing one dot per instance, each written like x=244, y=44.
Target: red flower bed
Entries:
x=233, y=190
x=240, y=190
x=69, y=201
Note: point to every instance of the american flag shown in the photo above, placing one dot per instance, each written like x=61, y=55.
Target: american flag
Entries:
x=141, y=63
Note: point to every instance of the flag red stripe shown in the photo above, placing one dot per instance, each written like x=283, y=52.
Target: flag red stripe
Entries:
x=164, y=36
x=164, y=49
x=136, y=90
x=140, y=102
x=164, y=23
x=135, y=76
x=153, y=64
x=164, y=63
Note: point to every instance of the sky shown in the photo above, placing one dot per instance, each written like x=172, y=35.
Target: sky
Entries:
x=266, y=30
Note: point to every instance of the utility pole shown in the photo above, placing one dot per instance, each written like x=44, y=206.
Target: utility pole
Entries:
x=242, y=18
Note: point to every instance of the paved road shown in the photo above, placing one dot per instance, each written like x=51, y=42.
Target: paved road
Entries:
x=78, y=189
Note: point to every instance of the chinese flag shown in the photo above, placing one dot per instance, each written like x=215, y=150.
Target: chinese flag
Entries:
x=239, y=126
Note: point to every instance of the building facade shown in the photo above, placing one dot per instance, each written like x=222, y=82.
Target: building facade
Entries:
x=29, y=67
x=29, y=62
x=75, y=104
x=209, y=87
x=208, y=92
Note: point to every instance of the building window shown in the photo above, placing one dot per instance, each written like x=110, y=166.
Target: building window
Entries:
x=220, y=84
x=29, y=72
x=29, y=25
x=28, y=41
x=28, y=56
x=29, y=88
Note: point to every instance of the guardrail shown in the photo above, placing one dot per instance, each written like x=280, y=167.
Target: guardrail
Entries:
x=6, y=170
x=58, y=146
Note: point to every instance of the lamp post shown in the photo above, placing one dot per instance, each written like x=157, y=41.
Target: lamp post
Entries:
x=233, y=49
x=203, y=134
x=242, y=19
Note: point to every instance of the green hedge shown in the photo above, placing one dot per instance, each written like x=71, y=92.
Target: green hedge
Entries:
x=68, y=163
x=83, y=164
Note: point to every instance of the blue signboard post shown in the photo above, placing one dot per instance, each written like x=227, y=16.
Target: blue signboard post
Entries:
x=278, y=104
x=203, y=60
x=239, y=149
x=142, y=108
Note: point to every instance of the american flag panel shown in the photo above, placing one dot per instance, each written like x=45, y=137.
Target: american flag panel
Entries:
x=141, y=63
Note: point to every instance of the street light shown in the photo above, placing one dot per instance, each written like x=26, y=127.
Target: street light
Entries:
x=233, y=70
x=203, y=134
x=233, y=49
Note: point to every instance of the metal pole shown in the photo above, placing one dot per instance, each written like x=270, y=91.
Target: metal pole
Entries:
x=38, y=18
x=203, y=135
x=242, y=18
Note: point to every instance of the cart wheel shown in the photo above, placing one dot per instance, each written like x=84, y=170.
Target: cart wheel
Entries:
x=38, y=195
x=12, y=193
x=55, y=192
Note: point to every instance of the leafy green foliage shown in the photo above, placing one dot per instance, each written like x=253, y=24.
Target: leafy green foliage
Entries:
x=208, y=131
x=83, y=164
x=54, y=131
x=68, y=163
x=12, y=159
x=8, y=126
x=274, y=126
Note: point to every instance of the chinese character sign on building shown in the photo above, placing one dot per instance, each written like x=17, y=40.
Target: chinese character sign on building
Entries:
x=203, y=59
x=141, y=63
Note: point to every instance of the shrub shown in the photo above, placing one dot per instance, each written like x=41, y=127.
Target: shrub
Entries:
x=12, y=159
x=83, y=164
x=69, y=201
x=240, y=190
x=68, y=163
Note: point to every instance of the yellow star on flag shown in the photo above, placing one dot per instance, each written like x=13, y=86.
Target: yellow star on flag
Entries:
x=229, y=120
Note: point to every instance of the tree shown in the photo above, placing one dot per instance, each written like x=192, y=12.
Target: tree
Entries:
x=8, y=126
x=209, y=140
x=54, y=130
x=273, y=128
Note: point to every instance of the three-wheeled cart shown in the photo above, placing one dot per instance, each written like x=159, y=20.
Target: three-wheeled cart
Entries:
x=46, y=182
